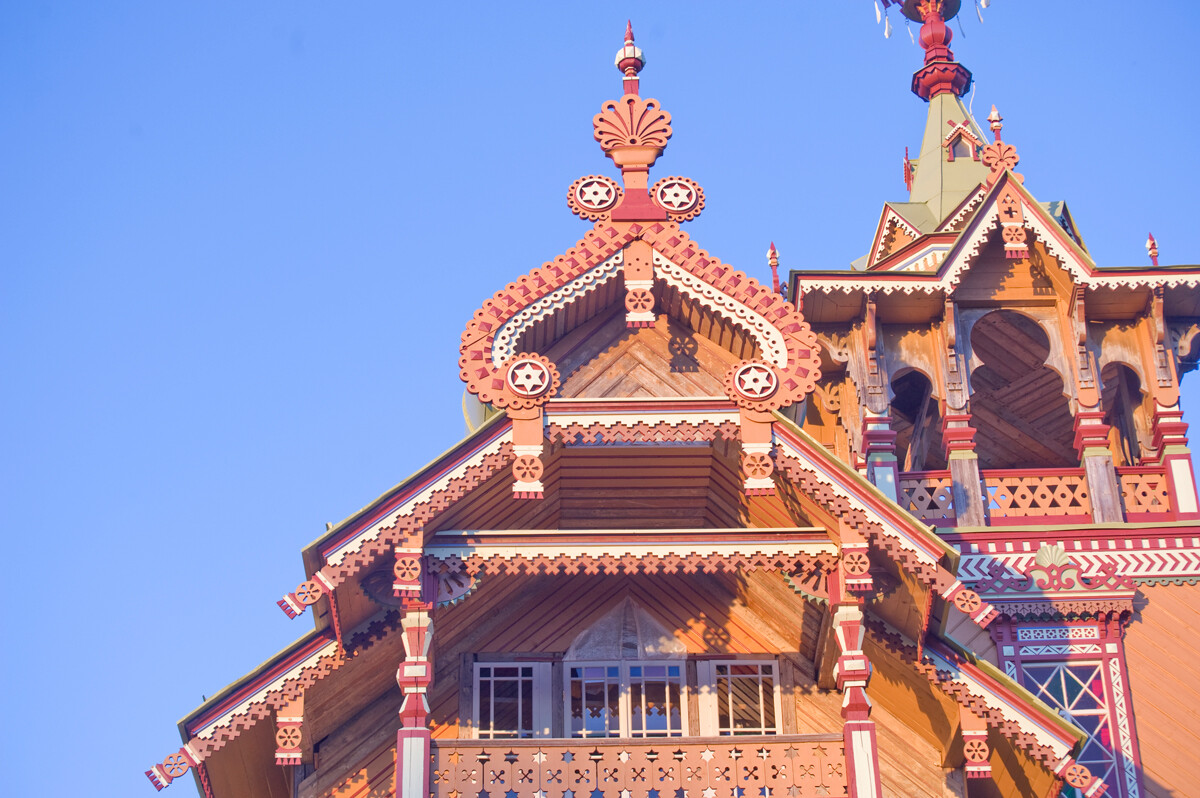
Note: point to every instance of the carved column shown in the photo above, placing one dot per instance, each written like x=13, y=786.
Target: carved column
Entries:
x=879, y=451
x=958, y=436
x=414, y=676
x=852, y=673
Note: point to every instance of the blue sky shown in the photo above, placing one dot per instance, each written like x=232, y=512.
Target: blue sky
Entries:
x=240, y=240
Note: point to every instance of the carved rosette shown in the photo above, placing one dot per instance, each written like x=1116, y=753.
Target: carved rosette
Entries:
x=593, y=197
x=757, y=468
x=681, y=197
x=304, y=596
x=406, y=573
x=527, y=380
x=856, y=568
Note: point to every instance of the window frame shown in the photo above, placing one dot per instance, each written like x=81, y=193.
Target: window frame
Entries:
x=540, y=681
x=709, y=708
x=624, y=697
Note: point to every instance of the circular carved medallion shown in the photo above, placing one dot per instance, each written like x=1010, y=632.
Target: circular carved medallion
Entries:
x=528, y=377
x=755, y=381
x=592, y=197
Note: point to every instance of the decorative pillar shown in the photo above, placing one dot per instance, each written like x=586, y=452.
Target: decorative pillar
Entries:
x=530, y=382
x=958, y=436
x=879, y=452
x=1091, y=441
x=414, y=676
x=852, y=673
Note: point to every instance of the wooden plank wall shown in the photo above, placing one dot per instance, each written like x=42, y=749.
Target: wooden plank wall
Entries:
x=1164, y=678
x=710, y=613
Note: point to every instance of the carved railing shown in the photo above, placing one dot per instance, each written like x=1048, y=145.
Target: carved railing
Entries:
x=1043, y=493
x=791, y=765
x=928, y=495
x=1144, y=492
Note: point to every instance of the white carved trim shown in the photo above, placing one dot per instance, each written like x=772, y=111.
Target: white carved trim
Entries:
x=510, y=332
x=769, y=339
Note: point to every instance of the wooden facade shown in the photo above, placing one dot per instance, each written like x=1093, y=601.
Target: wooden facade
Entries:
x=929, y=528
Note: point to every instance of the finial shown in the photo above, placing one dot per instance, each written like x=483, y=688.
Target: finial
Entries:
x=941, y=73
x=1152, y=248
x=630, y=60
x=995, y=122
x=773, y=262
x=999, y=156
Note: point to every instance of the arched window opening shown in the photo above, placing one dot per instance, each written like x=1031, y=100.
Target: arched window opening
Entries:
x=1017, y=402
x=1121, y=398
x=917, y=423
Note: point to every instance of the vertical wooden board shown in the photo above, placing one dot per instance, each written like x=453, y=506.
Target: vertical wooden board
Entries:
x=1163, y=678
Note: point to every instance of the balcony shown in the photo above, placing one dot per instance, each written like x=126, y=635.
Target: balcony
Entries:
x=792, y=765
x=1036, y=495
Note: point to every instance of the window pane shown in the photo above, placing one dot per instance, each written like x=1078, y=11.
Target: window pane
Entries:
x=745, y=699
x=505, y=702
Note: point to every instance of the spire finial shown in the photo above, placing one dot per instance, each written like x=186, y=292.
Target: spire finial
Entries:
x=941, y=73
x=630, y=60
x=773, y=262
x=1152, y=248
x=995, y=122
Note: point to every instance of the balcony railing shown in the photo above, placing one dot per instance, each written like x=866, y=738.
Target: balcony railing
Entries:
x=1035, y=495
x=1144, y=493
x=929, y=496
x=1060, y=494
x=785, y=765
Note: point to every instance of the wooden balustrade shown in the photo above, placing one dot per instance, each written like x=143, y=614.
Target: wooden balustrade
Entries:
x=1057, y=494
x=929, y=496
x=784, y=765
x=1144, y=493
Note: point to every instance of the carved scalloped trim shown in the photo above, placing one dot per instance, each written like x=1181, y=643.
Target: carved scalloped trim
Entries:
x=506, y=339
x=769, y=339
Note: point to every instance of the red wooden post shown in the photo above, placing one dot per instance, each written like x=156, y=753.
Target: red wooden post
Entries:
x=414, y=676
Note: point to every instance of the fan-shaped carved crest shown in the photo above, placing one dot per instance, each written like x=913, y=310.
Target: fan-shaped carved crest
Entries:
x=632, y=122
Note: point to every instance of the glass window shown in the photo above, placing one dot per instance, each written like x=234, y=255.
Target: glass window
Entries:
x=638, y=699
x=745, y=698
x=510, y=700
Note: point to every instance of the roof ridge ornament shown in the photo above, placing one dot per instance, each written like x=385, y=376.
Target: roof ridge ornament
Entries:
x=1152, y=248
x=633, y=132
x=1000, y=156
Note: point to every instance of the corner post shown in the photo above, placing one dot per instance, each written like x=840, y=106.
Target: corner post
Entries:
x=1091, y=441
x=415, y=675
x=852, y=673
x=879, y=450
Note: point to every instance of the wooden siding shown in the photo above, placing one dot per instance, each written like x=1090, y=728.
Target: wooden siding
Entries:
x=710, y=613
x=1165, y=682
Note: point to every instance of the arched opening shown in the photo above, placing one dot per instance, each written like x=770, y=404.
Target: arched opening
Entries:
x=916, y=421
x=1122, y=400
x=1017, y=402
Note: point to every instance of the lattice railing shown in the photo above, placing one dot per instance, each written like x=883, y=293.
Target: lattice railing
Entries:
x=928, y=495
x=803, y=766
x=1036, y=493
x=1144, y=490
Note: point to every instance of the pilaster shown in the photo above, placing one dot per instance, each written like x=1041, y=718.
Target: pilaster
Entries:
x=414, y=676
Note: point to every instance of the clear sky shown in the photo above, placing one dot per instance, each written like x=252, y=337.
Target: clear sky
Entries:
x=240, y=241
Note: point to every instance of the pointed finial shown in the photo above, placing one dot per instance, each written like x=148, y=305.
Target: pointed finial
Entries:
x=630, y=60
x=773, y=262
x=1152, y=248
x=995, y=122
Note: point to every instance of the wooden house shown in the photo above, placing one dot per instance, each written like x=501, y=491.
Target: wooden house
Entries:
x=929, y=527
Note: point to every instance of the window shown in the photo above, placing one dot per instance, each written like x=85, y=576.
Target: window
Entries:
x=739, y=697
x=1077, y=668
x=510, y=700
x=625, y=699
